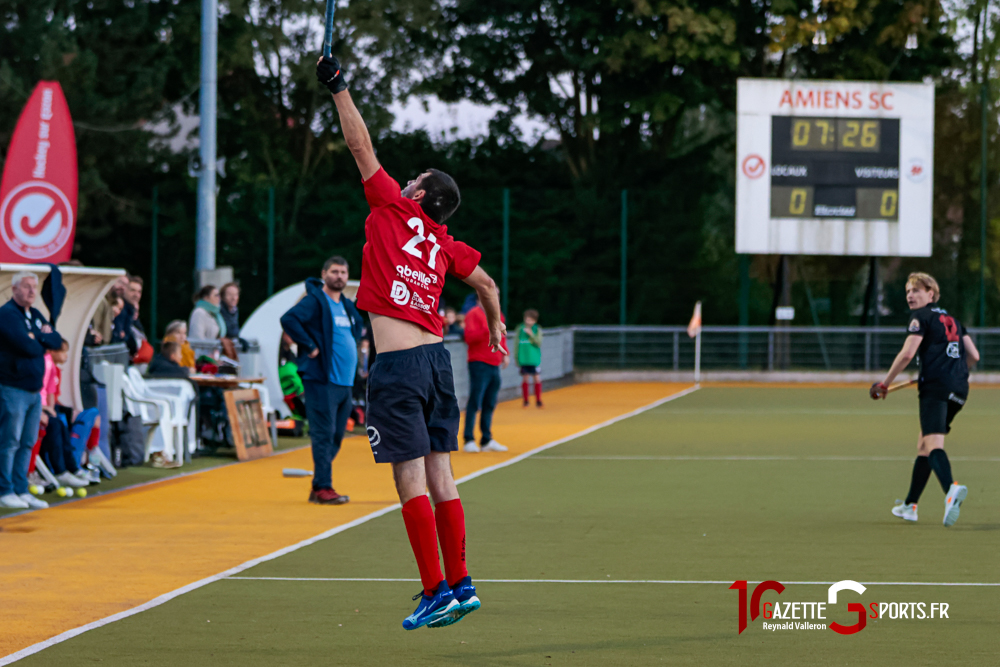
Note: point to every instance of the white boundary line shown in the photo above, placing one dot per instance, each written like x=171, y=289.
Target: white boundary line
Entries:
x=619, y=581
x=993, y=459
x=166, y=597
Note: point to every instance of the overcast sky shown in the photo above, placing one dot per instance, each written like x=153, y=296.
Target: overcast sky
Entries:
x=460, y=120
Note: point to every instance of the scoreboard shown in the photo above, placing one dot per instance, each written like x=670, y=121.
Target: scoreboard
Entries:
x=834, y=168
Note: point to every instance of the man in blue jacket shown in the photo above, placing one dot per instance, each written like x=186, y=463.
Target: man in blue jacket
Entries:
x=24, y=338
x=326, y=327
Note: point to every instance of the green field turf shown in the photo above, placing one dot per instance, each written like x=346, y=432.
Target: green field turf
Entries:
x=785, y=484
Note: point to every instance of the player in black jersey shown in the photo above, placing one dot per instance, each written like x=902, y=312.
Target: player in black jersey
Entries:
x=945, y=353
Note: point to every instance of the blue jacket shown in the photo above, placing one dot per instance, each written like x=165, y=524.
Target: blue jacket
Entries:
x=310, y=325
x=22, y=358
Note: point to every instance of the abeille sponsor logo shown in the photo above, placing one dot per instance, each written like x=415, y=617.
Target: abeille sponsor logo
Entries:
x=414, y=276
x=781, y=615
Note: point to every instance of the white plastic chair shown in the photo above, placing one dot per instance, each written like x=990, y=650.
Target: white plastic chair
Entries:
x=183, y=398
x=155, y=412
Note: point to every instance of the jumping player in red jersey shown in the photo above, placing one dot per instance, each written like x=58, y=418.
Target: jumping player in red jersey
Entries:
x=413, y=413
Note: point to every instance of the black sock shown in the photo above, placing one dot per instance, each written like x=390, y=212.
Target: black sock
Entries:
x=921, y=473
x=942, y=468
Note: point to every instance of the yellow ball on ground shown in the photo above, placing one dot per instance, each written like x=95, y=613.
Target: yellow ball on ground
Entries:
x=81, y=493
x=37, y=490
x=62, y=492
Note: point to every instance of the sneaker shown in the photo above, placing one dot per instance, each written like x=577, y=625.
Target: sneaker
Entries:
x=91, y=474
x=158, y=460
x=904, y=511
x=35, y=479
x=33, y=502
x=527, y=404
x=493, y=446
x=953, y=503
x=69, y=479
x=465, y=593
x=470, y=446
x=13, y=502
x=432, y=607
x=539, y=404
x=327, y=497
x=96, y=459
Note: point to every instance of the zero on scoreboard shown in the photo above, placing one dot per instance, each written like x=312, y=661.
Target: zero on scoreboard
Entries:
x=834, y=167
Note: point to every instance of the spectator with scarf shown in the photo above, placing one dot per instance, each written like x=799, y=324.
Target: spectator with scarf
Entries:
x=205, y=322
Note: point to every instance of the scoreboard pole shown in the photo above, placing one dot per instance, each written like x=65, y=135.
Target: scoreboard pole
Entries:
x=744, y=342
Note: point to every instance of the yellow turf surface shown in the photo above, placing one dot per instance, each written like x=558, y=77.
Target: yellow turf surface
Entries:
x=79, y=562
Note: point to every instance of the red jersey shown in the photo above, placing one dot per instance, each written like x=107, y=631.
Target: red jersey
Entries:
x=477, y=337
x=406, y=257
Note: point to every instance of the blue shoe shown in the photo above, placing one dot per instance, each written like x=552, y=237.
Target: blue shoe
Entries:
x=432, y=607
x=465, y=594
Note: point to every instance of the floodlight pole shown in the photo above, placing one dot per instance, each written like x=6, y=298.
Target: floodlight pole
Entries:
x=205, y=244
x=984, y=106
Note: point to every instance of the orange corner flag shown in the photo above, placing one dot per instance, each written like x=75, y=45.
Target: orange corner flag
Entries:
x=694, y=327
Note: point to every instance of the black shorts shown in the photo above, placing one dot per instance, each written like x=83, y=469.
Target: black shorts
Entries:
x=529, y=370
x=412, y=408
x=936, y=413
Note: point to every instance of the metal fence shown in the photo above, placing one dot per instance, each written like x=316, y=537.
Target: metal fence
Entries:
x=754, y=348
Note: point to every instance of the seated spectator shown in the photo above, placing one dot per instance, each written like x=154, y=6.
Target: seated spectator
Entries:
x=205, y=322
x=68, y=436
x=167, y=364
x=230, y=295
x=292, y=388
x=119, y=326
x=177, y=333
x=133, y=295
x=101, y=325
x=452, y=325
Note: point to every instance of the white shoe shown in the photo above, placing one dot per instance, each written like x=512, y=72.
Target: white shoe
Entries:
x=69, y=479
x=13, y=501
x=493, y=446
x=904, y=511
x=470, y=447
x=33, y=502
x=953, y=503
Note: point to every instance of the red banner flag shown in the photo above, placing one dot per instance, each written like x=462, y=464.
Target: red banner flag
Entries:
x=39, y=189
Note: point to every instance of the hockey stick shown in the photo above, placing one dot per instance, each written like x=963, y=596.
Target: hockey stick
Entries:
x=900, y=385
x=331, y=6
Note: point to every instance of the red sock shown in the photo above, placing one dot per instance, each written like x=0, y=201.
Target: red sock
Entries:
x=95, y=436
x=524, y=390
x=450, y=518
x=538, y=392
x=419, y=519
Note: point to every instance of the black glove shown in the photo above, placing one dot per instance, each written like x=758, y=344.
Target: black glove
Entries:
x=330, y=74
